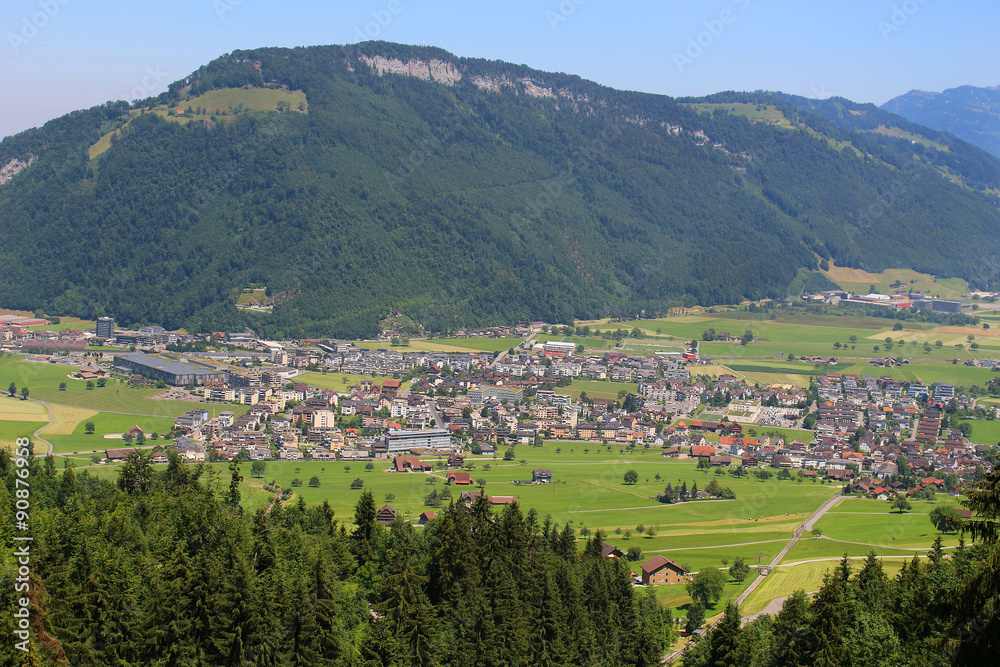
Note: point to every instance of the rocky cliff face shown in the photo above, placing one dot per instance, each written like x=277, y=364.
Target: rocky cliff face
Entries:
x=14, y=167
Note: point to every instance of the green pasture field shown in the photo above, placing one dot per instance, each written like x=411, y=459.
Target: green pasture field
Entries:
x=798, y=372
x=481, y=344
x=106, y=422
x=42, y=380
x=858, y=281
x=909, y=136
x=256, y=296
x=66, y=323
x=341, y=382
x=806, y=576
x=598, y=388
x=589, y=492
x=746, y=110
x=800, y=333
x=984, y=431
x=675, y=596
x=10, y=431
x=221, y=102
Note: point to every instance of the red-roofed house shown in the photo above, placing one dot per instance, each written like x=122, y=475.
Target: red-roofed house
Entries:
x=459, y=478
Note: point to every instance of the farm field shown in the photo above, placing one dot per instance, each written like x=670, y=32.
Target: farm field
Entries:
x=597, y=388
x=858, y=281
x=753, y=112
x=675, y=596
x=43, y=380
x=984, y=431
x=338, y=381
x=808, y=577
x=800, y=333
x=66, y=323
x=104, y=423
x=768, y=371
x=12, y=430
x=589, y=492
x=14, y=409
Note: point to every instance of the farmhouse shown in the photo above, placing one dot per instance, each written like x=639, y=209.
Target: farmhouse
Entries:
x=459, y=478
x=659, y=570
x=541, y=475
x=386, y=515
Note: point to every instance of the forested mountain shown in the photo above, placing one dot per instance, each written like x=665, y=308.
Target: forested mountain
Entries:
x=969, y=112
x=166, y=569
x=352, y=180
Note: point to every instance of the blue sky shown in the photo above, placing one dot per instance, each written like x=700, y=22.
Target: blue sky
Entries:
x=61, y=55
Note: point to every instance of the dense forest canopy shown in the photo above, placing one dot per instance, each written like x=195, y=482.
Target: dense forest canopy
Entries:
x=494, y=194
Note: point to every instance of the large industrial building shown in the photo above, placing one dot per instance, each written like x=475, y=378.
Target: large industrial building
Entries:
x=176, y=373
x=402, y=441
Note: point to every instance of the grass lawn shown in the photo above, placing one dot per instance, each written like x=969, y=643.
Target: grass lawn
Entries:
x=14, y=409
x=66, y=323
x=984, y=431
x=859, y=281
x=800, y=333
x=105, y=423
x=598, y=388
x=340, y=382
x=10, y=431
x=43, y=381
x=676, y=597
x=786, y=579
x=481, y=344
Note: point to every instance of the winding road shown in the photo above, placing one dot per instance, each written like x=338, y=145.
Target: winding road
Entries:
x=806, y=525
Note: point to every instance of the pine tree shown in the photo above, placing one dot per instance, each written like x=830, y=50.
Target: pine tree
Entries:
x=365, y=536
x=725, y=638
x=233, y=498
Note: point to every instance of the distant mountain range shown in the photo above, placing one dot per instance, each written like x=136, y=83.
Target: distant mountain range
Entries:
x=968, y=112
x=353, y=180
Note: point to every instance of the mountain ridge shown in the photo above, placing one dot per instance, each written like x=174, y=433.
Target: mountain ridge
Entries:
x=500, y=193
x=971, y=113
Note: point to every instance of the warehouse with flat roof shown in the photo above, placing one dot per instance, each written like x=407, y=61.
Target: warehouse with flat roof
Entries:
x=176, y=373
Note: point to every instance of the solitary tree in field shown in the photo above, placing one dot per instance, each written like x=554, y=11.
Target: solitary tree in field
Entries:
x=631, y=477
x=88, y=428
x=62, y=386
x=24, y=393
x=314, y=481
x=739, y=570
x=90, y=384
x=12, y=389
x=901, y=503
